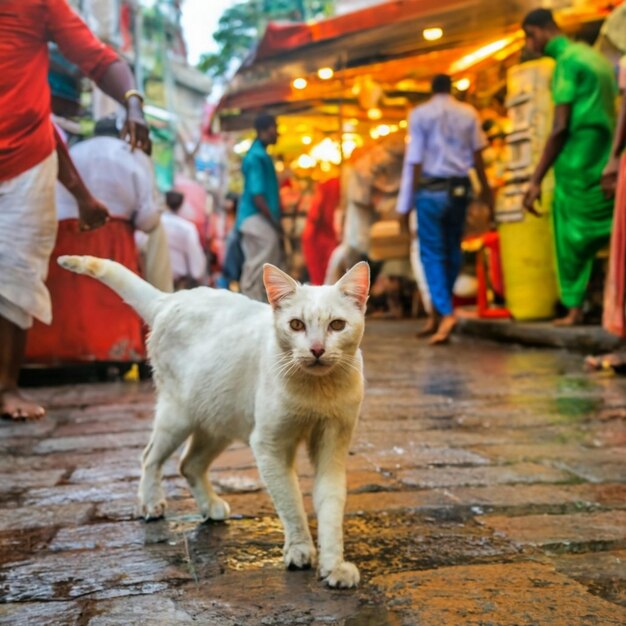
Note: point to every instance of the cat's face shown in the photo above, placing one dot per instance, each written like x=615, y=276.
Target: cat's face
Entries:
x=319, y=329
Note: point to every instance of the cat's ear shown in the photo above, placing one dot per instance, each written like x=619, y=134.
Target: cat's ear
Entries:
x=355, y=283
x=278, y=285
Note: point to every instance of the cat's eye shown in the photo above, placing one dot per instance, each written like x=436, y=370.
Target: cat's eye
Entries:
x=296, y=325
x=337, y=325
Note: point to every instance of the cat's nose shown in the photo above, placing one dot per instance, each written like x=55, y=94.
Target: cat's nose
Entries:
x=317, y=352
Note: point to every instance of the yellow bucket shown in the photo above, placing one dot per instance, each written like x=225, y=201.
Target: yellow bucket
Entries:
x=526, y=242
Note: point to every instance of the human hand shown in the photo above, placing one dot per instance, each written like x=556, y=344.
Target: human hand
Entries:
x=136, y=130
x=532, y=195
x=404, y=222
x=92, y=214
x=608, y=182
x=279, y=229
x=486, y=197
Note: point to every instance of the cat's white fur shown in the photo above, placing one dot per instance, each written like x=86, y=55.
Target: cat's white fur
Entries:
x=228, y=368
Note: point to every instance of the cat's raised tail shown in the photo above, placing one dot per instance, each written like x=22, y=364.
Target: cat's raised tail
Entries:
x=142, y=296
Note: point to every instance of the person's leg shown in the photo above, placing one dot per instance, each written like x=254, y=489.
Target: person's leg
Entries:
x=432, y=246
x=418, y=268
x=259, y=244
x=453, y=227
x=13, y=403
x=28, y=226
x=582, y=227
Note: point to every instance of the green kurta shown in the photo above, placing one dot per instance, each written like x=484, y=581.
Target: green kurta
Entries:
x=584, y=79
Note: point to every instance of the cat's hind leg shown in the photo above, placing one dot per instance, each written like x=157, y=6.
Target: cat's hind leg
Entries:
x=167, y=435
x=200, y=452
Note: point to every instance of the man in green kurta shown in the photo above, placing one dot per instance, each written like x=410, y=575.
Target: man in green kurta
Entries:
x=584, y=91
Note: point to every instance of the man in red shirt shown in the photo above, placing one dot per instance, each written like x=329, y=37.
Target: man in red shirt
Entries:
x=28, y=165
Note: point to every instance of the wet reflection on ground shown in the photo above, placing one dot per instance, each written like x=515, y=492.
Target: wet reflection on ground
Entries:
x=486, y=485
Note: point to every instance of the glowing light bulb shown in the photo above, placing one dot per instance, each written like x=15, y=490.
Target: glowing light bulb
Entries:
x=374, y=114
x=307, y=140
x=300, y=83
x=432, y=34
x=463, y=84
x=325, y=73
x=305, y=162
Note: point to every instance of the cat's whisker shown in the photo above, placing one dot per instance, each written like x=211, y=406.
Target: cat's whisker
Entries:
x=285, y=357
x=286, y=366
x=349, y=365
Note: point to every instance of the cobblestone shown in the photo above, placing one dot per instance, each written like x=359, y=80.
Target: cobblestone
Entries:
x=486, y=486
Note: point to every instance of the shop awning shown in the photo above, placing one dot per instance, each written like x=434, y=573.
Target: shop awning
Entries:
x=386, y=40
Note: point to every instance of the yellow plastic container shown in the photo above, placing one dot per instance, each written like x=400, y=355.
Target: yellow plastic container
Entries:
x=526, y=242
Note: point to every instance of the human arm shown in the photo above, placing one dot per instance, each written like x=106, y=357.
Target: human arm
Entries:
x=112, y=75
x=486, y=195
x=116, y=82
x=609, y=175
x=260, y=203
x=92, y=213
x=417, y=175
x=415, y=149
x=416, y=170
x=552, y=149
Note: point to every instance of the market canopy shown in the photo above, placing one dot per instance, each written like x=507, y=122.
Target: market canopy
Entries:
x=399, y=45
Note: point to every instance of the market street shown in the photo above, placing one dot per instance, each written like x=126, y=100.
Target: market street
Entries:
x=487, y=485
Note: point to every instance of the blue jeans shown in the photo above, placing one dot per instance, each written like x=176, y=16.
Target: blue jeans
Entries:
x=440, y=225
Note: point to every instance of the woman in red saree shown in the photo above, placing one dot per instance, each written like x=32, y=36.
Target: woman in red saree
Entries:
x=319, y=238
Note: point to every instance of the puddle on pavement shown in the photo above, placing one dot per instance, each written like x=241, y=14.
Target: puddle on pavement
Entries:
x=373, y=616
x=577, y=408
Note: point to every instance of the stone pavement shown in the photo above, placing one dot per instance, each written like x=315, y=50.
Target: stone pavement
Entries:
x=487, y=486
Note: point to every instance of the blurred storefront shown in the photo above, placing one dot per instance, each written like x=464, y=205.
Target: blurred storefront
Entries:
x=344, y=86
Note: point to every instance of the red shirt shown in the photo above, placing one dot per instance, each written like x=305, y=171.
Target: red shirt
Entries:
x=26, y=27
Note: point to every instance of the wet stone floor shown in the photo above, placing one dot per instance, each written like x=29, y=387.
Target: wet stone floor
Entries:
x=487, y=486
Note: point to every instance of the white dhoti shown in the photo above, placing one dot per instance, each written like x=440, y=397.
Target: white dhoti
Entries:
x=28, y=227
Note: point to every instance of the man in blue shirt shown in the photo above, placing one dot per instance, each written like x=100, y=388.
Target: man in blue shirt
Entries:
x=446, y=141
x=258, y=216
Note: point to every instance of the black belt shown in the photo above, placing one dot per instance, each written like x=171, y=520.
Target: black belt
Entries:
x=434, y=183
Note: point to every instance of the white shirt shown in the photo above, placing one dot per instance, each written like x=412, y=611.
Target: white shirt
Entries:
x=186, y=255
x=444, y=134
x=122, y=180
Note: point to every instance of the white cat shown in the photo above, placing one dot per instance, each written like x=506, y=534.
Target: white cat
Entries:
x=228, y=368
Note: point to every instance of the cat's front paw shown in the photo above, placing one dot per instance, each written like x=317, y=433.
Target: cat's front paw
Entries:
x=299, y=555
x=151, y=511
x=343, y=576
x=216, y=510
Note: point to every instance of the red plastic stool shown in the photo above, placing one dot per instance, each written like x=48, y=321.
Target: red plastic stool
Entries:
x=488, y=274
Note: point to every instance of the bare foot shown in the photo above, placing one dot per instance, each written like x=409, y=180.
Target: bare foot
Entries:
x=573, y=318
x=604, y=361
x=15, y=406
x=444, y=331
x=429, y=328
